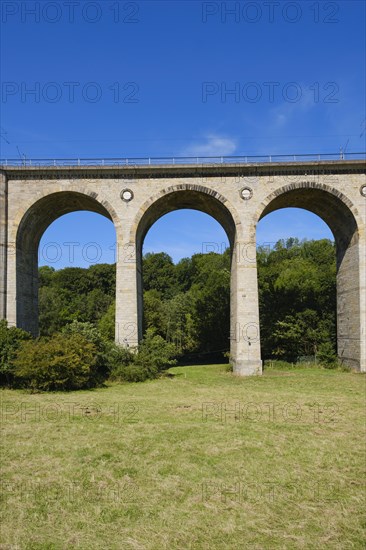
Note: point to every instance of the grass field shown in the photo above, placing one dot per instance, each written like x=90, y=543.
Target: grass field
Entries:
x=197, y=460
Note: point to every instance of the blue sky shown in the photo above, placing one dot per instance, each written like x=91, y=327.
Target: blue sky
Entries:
x=114, y=79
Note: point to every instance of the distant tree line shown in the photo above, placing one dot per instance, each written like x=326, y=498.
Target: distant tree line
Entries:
x=188, y=303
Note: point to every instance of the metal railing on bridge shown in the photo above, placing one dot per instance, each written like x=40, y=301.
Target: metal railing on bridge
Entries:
x=148, y=161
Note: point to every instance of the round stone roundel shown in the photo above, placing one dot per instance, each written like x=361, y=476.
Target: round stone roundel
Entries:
x=363, y=190
x=246, y=193
x=127, y=195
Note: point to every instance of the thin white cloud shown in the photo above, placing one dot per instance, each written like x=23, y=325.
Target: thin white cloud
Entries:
x=212, y=146
x=284, y=113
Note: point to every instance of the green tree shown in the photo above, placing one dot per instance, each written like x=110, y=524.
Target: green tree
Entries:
x=211, y=298
x=11, y=339
x=188, y=304
x=154, y=312
x=159, y=274
x=107, y=323
x=297, y=297
x=180, y=326
x=103, y=277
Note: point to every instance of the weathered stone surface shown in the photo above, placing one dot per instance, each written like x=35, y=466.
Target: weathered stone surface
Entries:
x=32, y=198
x=3, y=241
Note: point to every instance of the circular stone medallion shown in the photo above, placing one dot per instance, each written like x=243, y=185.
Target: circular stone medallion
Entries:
x=127, y=195
x=246, y=193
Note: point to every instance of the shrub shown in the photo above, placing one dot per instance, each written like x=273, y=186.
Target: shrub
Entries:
x=123, y=365
x=119, y=361
x=93, y=336
x=63, y=362
x=10, y=341
x=327, y=356
x=155, y=354
x=88, y=330
x=112, y=359
x=129, y=373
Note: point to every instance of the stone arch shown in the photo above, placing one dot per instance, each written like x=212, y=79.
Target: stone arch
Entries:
x=195, y=197
x=341, y=216
x=337, y=211
x=178, y=197
x=29, y=227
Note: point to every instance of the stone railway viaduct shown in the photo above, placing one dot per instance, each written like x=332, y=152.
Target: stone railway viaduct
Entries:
x=236, y=195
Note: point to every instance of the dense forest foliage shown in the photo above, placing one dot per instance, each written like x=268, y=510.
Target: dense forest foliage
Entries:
x=188, y=303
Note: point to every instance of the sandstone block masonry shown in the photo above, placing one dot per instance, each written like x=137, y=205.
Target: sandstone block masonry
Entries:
x=236, y=195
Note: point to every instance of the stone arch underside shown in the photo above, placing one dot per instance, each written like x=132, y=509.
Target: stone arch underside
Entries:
x=178, y=198
x=33, y=224
x=338, y=213
x=187, y=197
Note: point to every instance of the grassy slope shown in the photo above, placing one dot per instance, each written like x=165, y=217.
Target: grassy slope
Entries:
x=149, y=472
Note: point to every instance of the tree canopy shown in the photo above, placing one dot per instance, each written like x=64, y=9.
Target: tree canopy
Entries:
x=188, y=303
